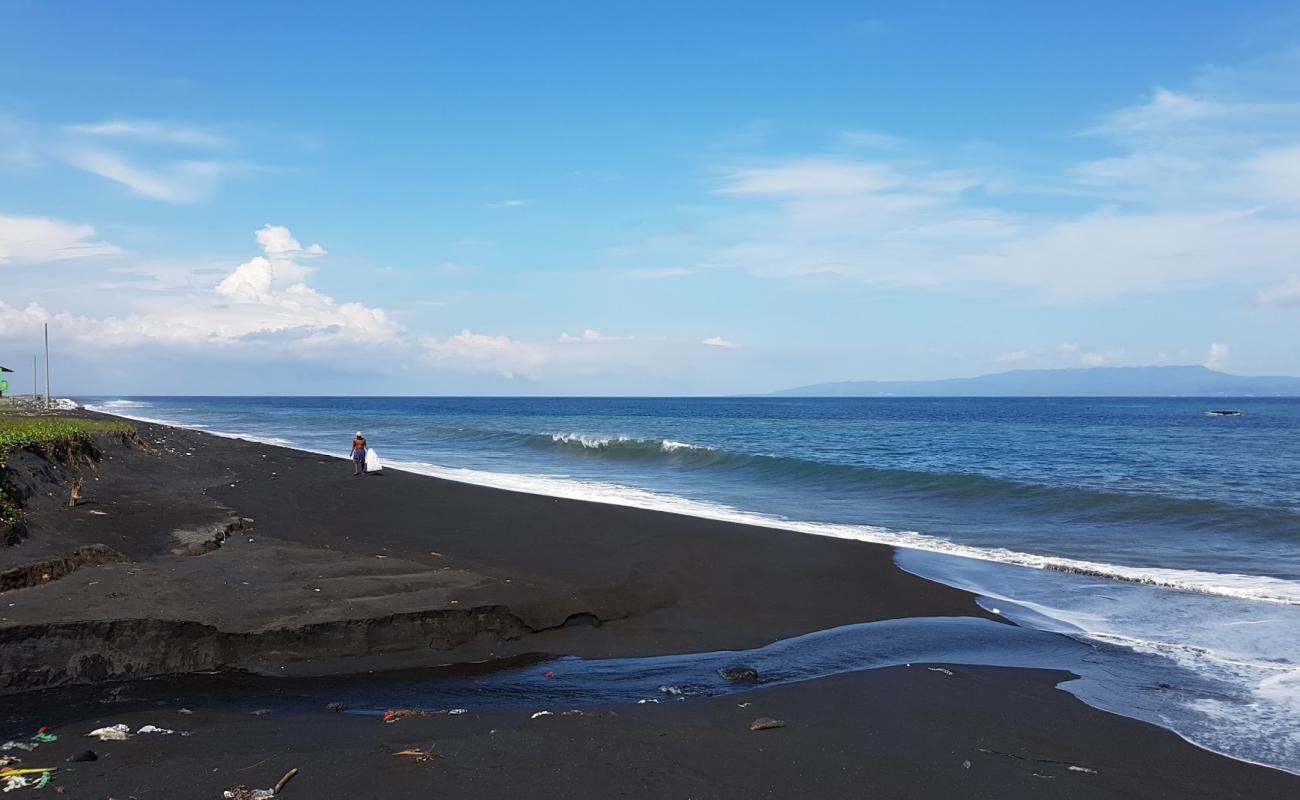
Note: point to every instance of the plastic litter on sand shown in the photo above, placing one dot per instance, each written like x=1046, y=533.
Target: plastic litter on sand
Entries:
x=112, y=733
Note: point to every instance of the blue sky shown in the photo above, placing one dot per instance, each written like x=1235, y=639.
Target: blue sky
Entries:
x=671, y=198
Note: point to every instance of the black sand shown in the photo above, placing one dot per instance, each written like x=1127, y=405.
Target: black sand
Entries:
x=335, y=574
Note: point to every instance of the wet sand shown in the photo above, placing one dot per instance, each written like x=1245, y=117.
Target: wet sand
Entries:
x=320, y=573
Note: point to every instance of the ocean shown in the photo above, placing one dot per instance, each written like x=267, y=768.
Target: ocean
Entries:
x=1141, y=525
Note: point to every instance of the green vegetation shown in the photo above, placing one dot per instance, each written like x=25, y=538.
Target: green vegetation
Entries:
x=47, y=435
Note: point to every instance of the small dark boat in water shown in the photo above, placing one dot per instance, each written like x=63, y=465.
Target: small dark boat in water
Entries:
x=1225, y=413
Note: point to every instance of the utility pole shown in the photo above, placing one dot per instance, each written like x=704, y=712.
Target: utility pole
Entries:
x=47, y=365
x=36, y=387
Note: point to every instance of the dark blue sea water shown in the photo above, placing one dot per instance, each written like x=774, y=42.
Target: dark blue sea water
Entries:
x=1142, y=523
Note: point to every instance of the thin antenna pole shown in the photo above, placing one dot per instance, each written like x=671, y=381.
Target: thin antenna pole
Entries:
x=36, y=387
x=47, y=365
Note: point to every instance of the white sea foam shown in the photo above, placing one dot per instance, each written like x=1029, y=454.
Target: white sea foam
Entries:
x=595, y=442
x=1245, y=655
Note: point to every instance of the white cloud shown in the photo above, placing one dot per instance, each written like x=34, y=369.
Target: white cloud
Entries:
x=1217, y=358
x=151, y=131
x=1201, y=189
x=514, y=202
x=1096, y=359
x=263, y=306
x=809, y=177
x=718, y=341
x=38, y=240
x=1284, y=294
x=275, y=240
x=180, y=182
x=656, y=274
x=1011, y=358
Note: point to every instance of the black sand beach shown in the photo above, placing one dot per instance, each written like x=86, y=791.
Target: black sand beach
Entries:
x=222, y=555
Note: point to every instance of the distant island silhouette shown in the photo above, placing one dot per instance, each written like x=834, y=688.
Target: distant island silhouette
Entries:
x=1177, y=381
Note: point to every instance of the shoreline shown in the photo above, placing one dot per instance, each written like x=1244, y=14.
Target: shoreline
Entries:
x=1253, y=588
x=334, y=566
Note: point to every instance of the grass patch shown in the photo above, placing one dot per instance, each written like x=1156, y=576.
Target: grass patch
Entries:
x=46, y=435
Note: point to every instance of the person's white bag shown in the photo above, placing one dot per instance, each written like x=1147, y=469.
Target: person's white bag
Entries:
x=372, y=461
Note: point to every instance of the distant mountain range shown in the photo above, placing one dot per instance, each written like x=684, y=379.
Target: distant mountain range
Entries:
x=1192, y=381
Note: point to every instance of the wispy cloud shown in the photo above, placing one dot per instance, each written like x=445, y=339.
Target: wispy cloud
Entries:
x=152, y=131
x=40, y=240
x=809, y=177
x=1286, y=293
x=656, y=274
x=718, y=341
x=1202, y=189
x=180, y=182
x=515, y=202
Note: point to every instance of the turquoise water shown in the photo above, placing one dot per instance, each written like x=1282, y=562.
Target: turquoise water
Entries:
x=1143, y=524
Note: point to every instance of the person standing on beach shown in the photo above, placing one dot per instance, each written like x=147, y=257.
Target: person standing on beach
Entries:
x=358, y=454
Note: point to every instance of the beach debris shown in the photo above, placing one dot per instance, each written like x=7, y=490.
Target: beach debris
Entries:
x=9, y=761
x=739, y=674
x=34, y=778
x=405, y=713
x=336, y=708
x=18, y=746
x=183, y=711
x=44, y=738
x=1077, y=768
x=744, y=705
x=457, y=711
x=418, y=755
x=965, y=764
x=261, y=712
x=995, y=611
x=672, y=690
x=542, y=714
x=940, y=669
x=435, y=554
x=155, y=729
x=647, y=700
x=549, y=675
x=242, y=792
x=84, y=755
x=112, y=733
x=766, y=724
x=99, y=513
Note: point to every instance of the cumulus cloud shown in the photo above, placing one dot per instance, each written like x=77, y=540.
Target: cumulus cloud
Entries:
x=1284, y=294
x=266, y=310
x=275, y=240
x=263, y=301
x=1217, y=358
x=39, y=240
x=1012, y=357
